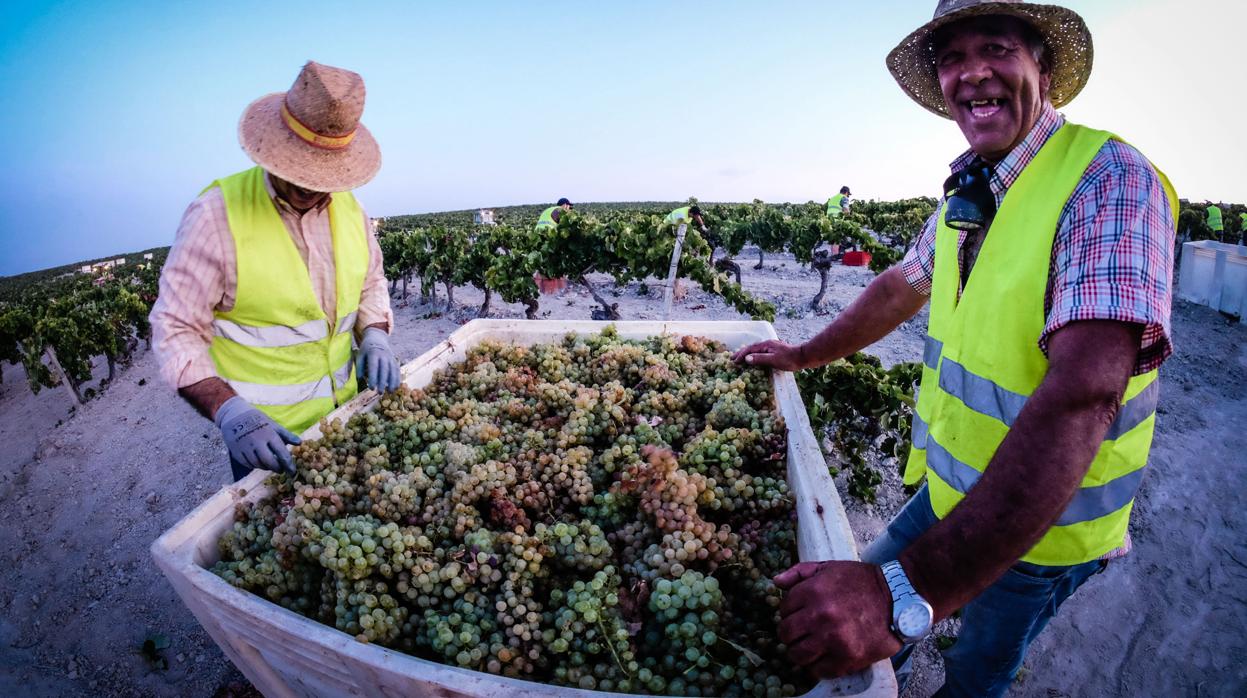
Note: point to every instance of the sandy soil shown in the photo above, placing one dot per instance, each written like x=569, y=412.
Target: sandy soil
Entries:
x=86, y=491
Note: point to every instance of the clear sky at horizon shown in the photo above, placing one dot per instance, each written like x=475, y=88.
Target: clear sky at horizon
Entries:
x=118, y=113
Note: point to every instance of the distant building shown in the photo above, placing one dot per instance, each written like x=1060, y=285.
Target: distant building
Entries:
x=99, y=267
x=484, y=216
x=147, y=255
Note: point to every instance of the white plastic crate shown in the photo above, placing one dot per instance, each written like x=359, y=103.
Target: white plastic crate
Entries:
x=1215, y=274
x=285, y=654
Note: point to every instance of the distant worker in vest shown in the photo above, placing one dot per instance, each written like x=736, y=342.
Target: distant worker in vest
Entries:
x=275, y=273
x=678, y=218
x=839, y=204
x=1039, y=385
x=549, y=218
x=1215, y=222
x=685, y=215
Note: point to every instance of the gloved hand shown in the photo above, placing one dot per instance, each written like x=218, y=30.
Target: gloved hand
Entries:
x=376, y=361
x=253, y=438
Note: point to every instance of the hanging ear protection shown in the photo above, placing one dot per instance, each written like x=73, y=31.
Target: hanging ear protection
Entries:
x=969, y=198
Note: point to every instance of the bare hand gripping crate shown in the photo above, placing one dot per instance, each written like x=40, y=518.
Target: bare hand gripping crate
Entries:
x=285, y=654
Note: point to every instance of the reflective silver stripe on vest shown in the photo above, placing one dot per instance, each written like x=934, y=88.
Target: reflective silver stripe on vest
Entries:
x=958, y=475
x=931, y=352
x=264, y=394
x=1136, y=410
x=920, y=431
x=343, y=374
x=1089, y=503
x=271, y=336
x=346, y=323
x=987, y=398
x=979, y=394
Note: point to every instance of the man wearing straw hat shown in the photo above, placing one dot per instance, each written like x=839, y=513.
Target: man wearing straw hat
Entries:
x=1047, y=267
x=275, y=273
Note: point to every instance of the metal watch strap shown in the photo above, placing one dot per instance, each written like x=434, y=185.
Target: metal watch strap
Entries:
x=902, y=591
x=898, y=582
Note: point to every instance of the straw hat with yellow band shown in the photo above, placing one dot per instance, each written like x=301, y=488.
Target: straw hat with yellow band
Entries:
x=1064, y=33
x=311, y=136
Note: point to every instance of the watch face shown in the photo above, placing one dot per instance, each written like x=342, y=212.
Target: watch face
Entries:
x=914, y=620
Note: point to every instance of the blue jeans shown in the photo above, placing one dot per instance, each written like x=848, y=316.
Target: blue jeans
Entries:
x=999, y=624
x=240, y=470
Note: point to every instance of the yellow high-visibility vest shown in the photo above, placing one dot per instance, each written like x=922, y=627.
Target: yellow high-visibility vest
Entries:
x=678, y=216
x=982, y=361
x=1214, y=219
x=835, y=205
x=275, y=347
x=546, y=219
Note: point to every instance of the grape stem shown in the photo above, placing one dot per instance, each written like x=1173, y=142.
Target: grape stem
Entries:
x=611, y=644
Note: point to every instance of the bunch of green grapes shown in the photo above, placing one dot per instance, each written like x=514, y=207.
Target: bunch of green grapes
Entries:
x=581, y=547
x=712, y=448
x=611, y=509
x=732, y=410
x=291, y=586
x=251, y=533
x=593, y=512
x=364, y=608
x=358, y=546
x=585, y=628
x=395, y=496
x=565, y=477
x=462, y=632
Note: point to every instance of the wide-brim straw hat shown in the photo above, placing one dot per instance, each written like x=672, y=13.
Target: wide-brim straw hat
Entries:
x=311, y=136
x=1064, y=32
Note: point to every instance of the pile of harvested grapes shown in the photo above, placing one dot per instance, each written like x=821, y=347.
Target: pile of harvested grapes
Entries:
x=599, y=513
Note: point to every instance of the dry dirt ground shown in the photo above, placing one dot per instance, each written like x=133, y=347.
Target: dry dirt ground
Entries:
x=84, y=493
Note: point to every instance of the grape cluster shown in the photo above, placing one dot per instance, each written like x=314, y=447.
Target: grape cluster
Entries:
x=585, y=626
x=358, y=546
x=596, y=512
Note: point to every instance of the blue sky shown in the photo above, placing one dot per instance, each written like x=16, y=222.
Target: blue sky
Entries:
x=117, y=113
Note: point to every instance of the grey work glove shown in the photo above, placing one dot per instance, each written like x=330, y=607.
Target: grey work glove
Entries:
x=253, y=438
x=376, y=361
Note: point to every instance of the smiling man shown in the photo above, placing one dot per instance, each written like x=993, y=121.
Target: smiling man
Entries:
x=1047, y=266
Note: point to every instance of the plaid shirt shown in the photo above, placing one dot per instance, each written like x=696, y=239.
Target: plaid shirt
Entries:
x=1112, y=258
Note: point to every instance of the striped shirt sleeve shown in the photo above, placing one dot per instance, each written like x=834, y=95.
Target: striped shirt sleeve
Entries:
x=1113, y=255
x=374, y=300
x=193, y=284
x=918, y=265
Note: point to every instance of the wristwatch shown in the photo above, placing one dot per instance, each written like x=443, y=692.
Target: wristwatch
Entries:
x=912, y=616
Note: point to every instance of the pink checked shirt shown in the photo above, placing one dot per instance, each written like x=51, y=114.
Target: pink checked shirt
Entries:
x=201, y=277
x=1112, y=258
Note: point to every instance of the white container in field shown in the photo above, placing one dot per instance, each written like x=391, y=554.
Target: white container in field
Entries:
x=286, y=654
x=1215, y=274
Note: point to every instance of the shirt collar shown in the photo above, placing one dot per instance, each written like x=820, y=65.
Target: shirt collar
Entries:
x=283, y=204
x=1006, y=172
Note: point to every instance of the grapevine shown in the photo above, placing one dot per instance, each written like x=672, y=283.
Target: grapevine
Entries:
x=866, y=411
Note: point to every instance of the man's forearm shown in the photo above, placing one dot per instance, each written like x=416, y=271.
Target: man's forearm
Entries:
x=207, y=395
x=888, y=301
x=1028, y=484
